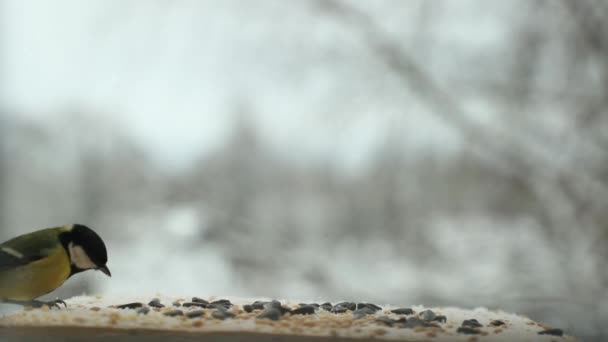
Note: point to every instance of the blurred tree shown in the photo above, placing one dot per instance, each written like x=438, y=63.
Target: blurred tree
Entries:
x=547, y=149
x=3, y=171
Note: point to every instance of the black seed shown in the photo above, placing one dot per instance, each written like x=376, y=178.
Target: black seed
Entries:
x=130, y=306
x=403, y=311
x=471, y=323
x=402, y=322
x=191, y=304
x=349, y=305
x=176, y=304
x=218, y=306
x=272, y=304
x=223, y=302
x=310, y=304
x=497, y=323
x=272, y=313
x=258, y=305
x=386, y=320
x=304, y=310
x=468, y=330
x=155, y=303
x=339, y=309
x=415, y=322
x=441, y=319
x=553, y=332
x=222, y=314
x=326, y=306
x=284, y=310
x=174, y=313
x=195, y=313
x=248, y=307
x=143, y=310
x=360, y=313
x=427, y=315
x=369, y=305
x=199, y=300
x=343, y=307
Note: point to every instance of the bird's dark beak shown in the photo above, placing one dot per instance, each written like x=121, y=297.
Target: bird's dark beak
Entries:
x=105, y=270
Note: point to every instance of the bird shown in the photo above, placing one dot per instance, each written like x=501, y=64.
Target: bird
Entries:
x=39, y=262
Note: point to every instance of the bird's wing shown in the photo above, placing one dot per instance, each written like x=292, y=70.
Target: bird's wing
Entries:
x=27, y=248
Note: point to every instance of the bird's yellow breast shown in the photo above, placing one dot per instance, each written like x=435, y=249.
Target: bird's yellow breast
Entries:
x=35, y=279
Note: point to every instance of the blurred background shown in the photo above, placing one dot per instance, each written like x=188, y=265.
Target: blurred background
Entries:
x=447, y=153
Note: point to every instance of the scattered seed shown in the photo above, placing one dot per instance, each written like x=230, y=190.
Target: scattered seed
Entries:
x=497, y=323
x=468, y=330
x=339, y=309
x=195, y=313
x=248, y=308
x=199, y=300
x=271, y=313
x=223, y=302
x=386, y=320
x=552, y=331
x=473, y=323
x=130, y=306
x=360, y=313
x=222, y=314
x=218, y=306
x=311, y=304
x=155, y=303
x=258, y=305
x=304, y=310
x=441, y=319
x=415, y=322
x=174, y=313
x=261, y=305
x=273, y=304
x=191, y=304
x=143, y=310
x=369, y=305
x=403, y=311
x=326, y=306
x=215, y=306
x=349, y=305
x=427, y=315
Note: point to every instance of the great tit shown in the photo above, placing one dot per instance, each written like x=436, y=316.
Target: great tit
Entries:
x=37, y=263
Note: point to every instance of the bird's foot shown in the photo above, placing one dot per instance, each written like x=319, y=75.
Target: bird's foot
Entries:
x=51, y=304
x=38, y=303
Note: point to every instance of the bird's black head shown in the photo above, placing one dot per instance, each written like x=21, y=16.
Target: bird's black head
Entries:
x=87, y=250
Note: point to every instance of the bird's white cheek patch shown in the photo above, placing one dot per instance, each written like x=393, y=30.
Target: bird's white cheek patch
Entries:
x=80, y=258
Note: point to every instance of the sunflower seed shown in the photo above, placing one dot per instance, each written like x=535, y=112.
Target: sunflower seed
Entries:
x=130, y=306
x=272, y=313
x=155, y=303
x=304, y=310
